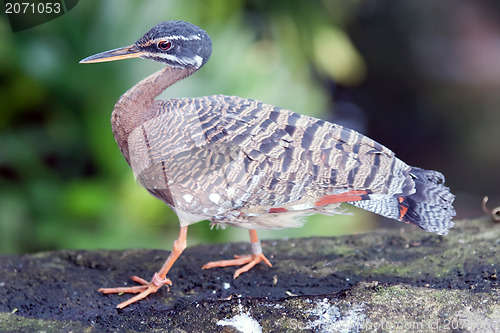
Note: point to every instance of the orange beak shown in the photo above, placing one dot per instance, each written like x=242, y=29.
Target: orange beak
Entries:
x=126, y=52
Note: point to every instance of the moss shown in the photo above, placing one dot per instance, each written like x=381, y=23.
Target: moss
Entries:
x=402, y=308
x=10, y=322
x=383, y=281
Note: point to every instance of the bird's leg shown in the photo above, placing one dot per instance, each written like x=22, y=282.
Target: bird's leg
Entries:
x=248, y=260
x=159, y=279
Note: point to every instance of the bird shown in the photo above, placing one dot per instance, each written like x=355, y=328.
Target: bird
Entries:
x=245, y=163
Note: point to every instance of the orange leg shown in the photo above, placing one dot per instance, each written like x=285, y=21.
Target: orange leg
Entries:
x=159, y=279
x=249, y=260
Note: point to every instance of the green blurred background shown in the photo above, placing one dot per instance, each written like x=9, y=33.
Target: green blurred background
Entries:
x=421, y=77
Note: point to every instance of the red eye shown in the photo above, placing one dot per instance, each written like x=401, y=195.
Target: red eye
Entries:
x=164, y=45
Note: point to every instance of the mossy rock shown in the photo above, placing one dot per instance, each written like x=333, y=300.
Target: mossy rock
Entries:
x=388, y=280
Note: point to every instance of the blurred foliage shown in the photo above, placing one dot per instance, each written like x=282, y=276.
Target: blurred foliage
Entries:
x=394, y=70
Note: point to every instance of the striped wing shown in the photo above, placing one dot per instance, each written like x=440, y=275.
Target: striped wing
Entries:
x=218, y=157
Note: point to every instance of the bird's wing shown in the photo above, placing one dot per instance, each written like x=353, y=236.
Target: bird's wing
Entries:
x=307, y=156
x=220, y=153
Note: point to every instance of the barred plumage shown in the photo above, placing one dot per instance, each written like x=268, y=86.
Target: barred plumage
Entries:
x=249, y=164
x=255, y=157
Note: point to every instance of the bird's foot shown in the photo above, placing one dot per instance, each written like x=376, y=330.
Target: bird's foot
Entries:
x=249, y=261
x=143, y=290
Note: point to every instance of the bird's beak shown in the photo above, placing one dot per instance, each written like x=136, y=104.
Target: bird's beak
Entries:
x=126, y=52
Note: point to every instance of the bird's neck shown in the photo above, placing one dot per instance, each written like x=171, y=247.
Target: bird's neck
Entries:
x=137, y=105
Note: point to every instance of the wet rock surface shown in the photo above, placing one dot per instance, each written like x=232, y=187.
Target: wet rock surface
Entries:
x=392, y=280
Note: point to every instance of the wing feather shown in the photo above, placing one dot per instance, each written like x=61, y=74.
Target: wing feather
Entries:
x=254, y=156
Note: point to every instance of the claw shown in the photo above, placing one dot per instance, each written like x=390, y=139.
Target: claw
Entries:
x=156, y=282
x=143, y=290
x=249, y=261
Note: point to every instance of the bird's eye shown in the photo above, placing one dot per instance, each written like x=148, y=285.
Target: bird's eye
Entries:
x=164, y=45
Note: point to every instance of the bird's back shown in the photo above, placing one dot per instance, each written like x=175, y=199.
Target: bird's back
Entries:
x=231, y=160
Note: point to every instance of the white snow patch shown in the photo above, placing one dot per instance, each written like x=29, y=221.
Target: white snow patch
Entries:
x=330, y=319
x=243, y=323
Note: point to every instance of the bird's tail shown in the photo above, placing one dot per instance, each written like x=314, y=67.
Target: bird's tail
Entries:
x=429, y=207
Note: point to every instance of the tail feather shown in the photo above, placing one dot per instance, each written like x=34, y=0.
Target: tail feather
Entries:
x=430, y=206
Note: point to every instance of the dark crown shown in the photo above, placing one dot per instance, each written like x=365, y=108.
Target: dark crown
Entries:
x=177, y=44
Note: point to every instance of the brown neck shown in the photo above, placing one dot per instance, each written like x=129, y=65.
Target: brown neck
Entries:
x=137, y=105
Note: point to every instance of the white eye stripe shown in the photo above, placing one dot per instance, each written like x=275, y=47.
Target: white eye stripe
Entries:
x=196, y=61
x=192, y=37
x=180, y=37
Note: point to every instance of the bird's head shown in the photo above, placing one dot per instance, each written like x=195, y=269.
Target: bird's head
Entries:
x=174, y=43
